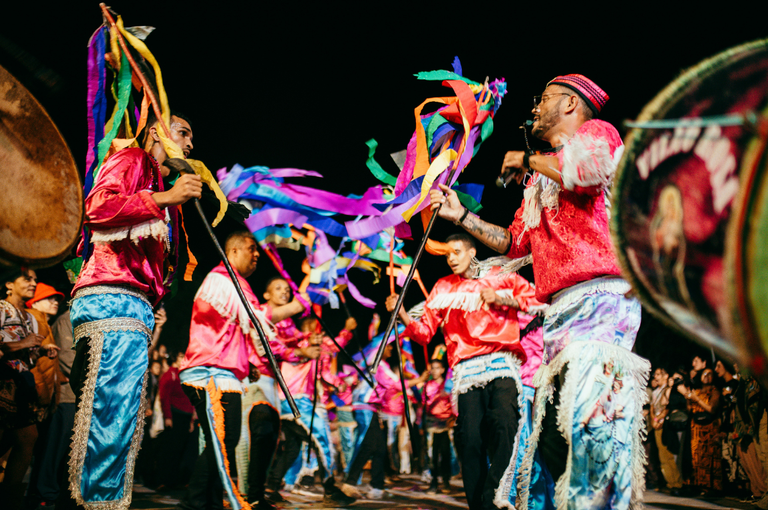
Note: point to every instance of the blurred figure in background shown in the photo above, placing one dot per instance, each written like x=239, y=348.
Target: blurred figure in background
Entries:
x=26, y=343
x=706, y=446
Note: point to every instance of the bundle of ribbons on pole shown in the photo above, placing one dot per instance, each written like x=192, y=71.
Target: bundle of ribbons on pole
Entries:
x=441, y=147
x=124, y=53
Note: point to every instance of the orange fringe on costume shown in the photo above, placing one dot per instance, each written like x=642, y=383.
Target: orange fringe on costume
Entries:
x=218, y=425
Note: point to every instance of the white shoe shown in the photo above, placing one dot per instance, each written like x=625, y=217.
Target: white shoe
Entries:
x=375, y=494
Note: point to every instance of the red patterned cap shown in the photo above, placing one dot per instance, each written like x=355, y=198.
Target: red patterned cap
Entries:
x=586, y=88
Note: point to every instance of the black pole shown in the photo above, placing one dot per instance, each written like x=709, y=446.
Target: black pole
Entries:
x=251, y=315
x=402, y=383
x=393, y=319
x=341, y=349
x=314, y=406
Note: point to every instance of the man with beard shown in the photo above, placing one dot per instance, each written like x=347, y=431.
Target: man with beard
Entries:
x=131, y=218
x=563, y=224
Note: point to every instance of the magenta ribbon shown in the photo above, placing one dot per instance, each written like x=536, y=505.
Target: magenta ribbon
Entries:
x=274, y=216
x=95, y=69
x=321, y=252
x=368, y=303
x=310, y=197
x=394, y=217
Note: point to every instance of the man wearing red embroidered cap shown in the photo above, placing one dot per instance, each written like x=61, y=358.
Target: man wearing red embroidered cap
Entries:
x=590, y=323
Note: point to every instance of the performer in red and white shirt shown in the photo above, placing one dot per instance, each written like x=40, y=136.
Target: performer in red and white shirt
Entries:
x=563, y=224
x=477, y=308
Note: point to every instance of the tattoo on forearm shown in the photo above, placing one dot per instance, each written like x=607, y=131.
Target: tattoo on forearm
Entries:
x=493, y=236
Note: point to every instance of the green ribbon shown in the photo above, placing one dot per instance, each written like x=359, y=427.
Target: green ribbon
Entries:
x=442, y=75
x=124, y=93
x=375, y=167
x=468, y=202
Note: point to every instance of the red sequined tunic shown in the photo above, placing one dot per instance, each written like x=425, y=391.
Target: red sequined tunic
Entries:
x=566, y=229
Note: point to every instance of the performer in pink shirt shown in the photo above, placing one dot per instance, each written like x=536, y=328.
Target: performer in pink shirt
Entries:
x=222, y=340
x=301, y=381
x=130, y=218
x=261, y=404
x=367, y=404
x=563, y=224
x=438, y=423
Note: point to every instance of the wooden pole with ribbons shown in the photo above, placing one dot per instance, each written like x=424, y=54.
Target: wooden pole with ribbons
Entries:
x=182, y=166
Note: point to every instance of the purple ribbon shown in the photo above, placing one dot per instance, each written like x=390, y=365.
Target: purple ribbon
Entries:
x=96, y=76
x=274, y=216
x=321, y=252
x=356, y=293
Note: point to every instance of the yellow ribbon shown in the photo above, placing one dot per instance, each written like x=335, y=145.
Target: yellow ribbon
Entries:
x=438, y=166
x=171, y=148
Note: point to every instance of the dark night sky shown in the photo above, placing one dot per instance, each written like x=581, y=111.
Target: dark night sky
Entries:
x=305, y=86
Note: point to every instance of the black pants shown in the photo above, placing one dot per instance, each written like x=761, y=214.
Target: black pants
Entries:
x=441, y=457
x=52, y=460
x=264, y=426
x=373, y=447
x=486, y=429
x=79, y=371
x=205, y=487
x=173, y=444
x=552, y=446
x=295, y=435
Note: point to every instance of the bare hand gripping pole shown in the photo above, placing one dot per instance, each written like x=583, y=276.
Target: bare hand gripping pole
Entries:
x=182, y=166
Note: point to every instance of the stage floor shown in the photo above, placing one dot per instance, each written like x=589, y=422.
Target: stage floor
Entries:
x=410, y=492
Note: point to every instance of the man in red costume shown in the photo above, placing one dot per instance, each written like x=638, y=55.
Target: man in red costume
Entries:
x=131, y=219
x=563, y=224
x=477, y=308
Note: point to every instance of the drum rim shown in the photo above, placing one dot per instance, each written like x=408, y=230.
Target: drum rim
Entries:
x=7, y=257
x=663, y=101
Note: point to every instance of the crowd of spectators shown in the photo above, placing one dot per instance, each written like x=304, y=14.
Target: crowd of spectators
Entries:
x=708, y=432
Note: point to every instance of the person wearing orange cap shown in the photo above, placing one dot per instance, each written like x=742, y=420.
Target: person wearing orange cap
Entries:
x=590, y=323
x=47, y=300
x=26, y=397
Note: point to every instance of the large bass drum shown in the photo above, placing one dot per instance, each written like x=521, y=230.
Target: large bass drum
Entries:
x=690, y=205
x=41, y=197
